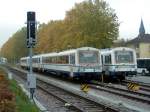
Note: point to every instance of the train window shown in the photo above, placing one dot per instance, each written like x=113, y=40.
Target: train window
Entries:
x=65, y=59
x=144, y=63
x=53, y=59
x=35, y=60
x=45, y=59
x=50, y=60
x=56, y=60
x=23, y=61
x=108, y=59
x=141, y=64
x=88, y=57
x=72, y=59
x=124, y=56
x=62, y=60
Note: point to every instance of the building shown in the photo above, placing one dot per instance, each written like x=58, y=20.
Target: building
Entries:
x=141, y=43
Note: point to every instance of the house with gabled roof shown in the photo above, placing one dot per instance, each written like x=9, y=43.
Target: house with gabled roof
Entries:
x=141, y=43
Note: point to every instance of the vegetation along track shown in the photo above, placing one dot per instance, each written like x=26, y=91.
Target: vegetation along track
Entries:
x=141, y=97
x=75, y=102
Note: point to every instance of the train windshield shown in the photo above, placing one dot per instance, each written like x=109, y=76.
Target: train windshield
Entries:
x=124, y=56
x=88, y=57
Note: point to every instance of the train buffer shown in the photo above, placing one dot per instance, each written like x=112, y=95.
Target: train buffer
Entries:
x=84, y=87
x=133, y=86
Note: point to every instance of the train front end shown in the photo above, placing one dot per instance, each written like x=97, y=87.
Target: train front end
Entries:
x=88, y=64
x=125, y=62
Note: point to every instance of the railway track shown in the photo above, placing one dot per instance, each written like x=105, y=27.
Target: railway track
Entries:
x=141, y=97
x=74, y=101
x=71, y=101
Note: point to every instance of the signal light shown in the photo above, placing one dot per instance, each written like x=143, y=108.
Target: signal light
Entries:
x=31, y=29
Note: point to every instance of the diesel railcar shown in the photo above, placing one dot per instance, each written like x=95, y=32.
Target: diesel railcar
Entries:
x=143, y=66
x=81, y=63
x=118, y=62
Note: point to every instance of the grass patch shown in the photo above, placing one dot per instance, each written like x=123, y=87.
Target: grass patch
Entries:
x=23, y=103
x=12, y=98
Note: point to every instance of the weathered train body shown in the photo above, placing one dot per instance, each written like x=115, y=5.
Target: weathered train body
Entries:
x=118, y=62
x=82, y=63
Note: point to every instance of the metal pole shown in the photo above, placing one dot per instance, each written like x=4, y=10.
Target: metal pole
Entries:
x=102, y=78
x=30, y=72
x=30, y=55
x=30, y=62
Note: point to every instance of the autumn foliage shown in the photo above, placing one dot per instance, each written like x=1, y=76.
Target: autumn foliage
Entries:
x=91, y=23
x=7, y=98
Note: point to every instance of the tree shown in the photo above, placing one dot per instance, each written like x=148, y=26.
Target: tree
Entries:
x=50, y=37
x=15, y=47
x=92, y=24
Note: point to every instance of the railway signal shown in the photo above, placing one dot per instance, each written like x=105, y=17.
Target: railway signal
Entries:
x=31, y=29
x=31, y=41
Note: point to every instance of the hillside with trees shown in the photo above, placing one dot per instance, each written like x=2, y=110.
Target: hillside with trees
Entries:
x=15, y=47
x=89, y=23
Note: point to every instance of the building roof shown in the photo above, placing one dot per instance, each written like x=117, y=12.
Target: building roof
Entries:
x=141, y=29
x=141, y=38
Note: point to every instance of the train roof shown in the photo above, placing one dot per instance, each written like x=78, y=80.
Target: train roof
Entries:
x=87, y=48
x=3, y=58
x=63, y=52
x=143, y=58
x=114, y=49
x=68, y=51
x=23, y=58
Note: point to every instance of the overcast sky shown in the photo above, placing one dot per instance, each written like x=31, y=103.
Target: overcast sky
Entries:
x=13, y=14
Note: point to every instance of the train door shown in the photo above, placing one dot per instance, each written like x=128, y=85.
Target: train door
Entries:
x=107, y=63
